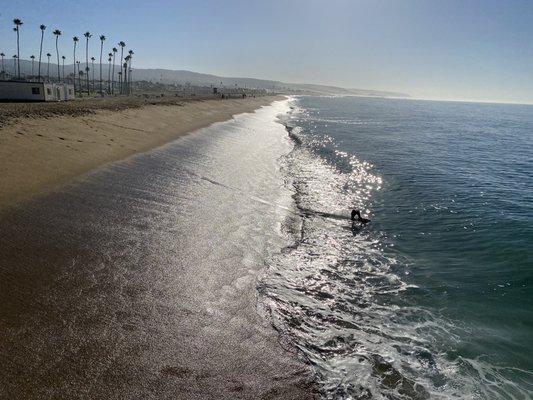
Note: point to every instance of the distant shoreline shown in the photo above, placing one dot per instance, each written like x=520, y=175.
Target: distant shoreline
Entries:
x=63, y=141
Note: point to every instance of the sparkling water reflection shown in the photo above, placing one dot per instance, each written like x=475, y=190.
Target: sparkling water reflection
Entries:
x=385, y=311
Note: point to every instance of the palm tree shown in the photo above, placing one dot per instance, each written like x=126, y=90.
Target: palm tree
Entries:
x=57, y=33
x=15, y=64
x=109, y=58
x=87, y=69
x=131, y=53
x=77, y=73
x=92, y=62
x=125, y=76
x=63, y=58
x=15, y=73
x=18, y=24
x=32, y=62
x=3, y=69
x=42, y=28
x=87, y=36
x=75, y=40
x=113, y=72
x=122, y=45
x=102, y=40
x=80, y=76
x=48, y=69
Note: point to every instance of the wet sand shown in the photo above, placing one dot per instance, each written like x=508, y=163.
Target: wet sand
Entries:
x=139, y=282
x=43, y=146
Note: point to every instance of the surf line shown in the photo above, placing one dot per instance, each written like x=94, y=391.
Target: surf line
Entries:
x=259, y=199
x=303, y=214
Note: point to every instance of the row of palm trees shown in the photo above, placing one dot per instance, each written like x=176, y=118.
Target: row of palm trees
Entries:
x=15, y=62
x=124, y=72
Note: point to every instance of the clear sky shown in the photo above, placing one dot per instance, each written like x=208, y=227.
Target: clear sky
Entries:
x=451, y=49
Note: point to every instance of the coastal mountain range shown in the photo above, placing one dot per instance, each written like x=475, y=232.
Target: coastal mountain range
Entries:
x=196, y=78
x=183, y=77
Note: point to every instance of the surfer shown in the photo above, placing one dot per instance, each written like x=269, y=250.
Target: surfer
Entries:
x=359, y=218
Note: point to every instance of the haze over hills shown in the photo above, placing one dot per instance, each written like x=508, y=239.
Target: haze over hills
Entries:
x=196, y=78
x=183, y=77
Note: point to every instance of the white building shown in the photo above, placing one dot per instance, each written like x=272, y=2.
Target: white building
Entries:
x=35, y=91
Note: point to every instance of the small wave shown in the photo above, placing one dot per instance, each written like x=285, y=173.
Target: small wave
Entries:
x=339, y=295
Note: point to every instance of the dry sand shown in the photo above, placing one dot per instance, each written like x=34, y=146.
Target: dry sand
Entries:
x=43, y=146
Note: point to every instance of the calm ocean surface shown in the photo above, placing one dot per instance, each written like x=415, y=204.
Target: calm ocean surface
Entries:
x=434, y=298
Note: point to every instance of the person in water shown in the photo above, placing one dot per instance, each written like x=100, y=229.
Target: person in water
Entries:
x=359, y=218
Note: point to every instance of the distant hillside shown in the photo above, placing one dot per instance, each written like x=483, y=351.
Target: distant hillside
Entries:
x=183, y=77
x=195, y=78
x=334, y=90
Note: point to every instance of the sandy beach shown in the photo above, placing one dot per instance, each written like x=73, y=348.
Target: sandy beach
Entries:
x=135, y=282
x=44, y=145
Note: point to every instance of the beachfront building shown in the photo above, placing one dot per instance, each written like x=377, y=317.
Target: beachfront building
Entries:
x=35, y=91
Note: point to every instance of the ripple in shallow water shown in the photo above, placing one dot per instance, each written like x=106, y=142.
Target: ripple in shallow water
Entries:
x=341, y=297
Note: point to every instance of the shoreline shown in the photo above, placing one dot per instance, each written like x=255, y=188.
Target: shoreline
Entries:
x=134, y=282
x=38, y=155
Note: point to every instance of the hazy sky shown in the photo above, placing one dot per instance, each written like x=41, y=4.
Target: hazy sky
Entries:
x=480, y=50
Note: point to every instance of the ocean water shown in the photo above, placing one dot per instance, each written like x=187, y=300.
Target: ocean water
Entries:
x=434, y=298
